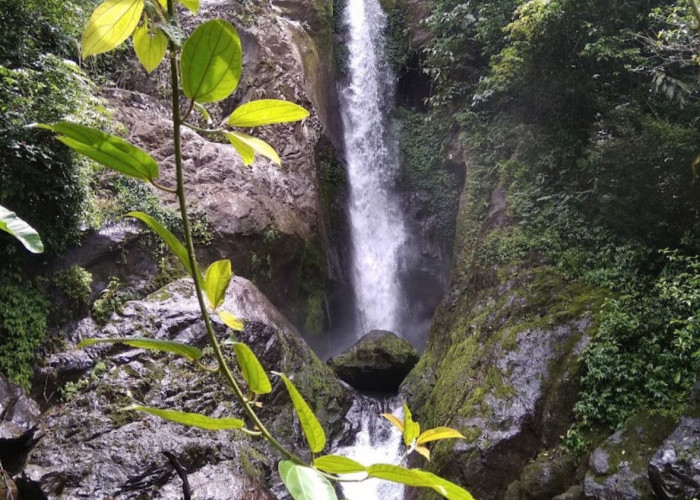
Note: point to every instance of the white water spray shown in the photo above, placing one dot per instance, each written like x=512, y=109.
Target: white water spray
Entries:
x=378, y=230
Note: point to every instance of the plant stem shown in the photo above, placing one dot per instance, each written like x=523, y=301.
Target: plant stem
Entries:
x=189, y=244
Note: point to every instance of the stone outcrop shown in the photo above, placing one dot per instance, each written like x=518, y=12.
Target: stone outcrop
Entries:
x=618, y=468
x=18, y=426
x=379, y=362
x=92, y=447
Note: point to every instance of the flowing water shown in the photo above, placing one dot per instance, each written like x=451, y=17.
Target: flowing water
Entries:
x=375, y=441
x=378, y=229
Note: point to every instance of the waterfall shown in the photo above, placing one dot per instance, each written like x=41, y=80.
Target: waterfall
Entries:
x=378, y=230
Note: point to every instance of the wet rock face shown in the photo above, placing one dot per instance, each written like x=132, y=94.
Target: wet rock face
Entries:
x=674, y=470
x=619, y=467
x=18, y=432
x=377, y=362
x=93, y=448
x=502, y=366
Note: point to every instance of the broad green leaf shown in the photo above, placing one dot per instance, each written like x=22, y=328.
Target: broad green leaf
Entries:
x=231, y=321
x=150, y=48
x=10, y=223
x=192, y=419
x=169, y=238
x=309, y=423
x=337, y=464
x=411, y=429
x=391, y=418
x=419, y=478
x=211, y=62
x=437, y=434
x=257, y=145
x=109, y=150
x=216, y=282
x=185, y=350
x=111, y=23
x=266, y=112
x=304, y=483
x=253, y=372
x=246, y=151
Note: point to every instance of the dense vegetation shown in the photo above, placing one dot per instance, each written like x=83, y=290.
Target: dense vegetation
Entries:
x=586, y=113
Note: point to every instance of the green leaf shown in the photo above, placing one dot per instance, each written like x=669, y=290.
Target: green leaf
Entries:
x=309, y=423
x=337, y=464
x=231, y=321
x=150, y=48
x=185, y=350
x=192, y=419
x=246, y=151
x=109, y=150
x=10, y=223
x=192, y=5
x=169, y=238
x=257, y=145
x=111, y=23
x=253, y=372
x=439, y=433
x=419, y=478
x=391, y=418
x=411, y=429
x=216, y=282
x=211, y=62
x=304, y=483
x=266, y=112
x=422, y=450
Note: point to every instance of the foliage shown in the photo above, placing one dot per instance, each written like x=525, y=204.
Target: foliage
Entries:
x=23, y=317
x=585, y=115
x=110, y=301
x=76, y=284
x=210, y=68
x=14, y=226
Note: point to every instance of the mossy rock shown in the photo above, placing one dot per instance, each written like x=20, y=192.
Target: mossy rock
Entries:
x=618, y=468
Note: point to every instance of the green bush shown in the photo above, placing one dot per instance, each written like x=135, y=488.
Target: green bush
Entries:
x=23, y=317
x=76, y=285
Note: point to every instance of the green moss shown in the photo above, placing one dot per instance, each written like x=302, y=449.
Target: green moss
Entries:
x=313, y=323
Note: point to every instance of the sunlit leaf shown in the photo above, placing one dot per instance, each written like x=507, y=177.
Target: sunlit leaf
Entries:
x=423, y=451
x=109, y=150
x=192, y=419
x=337, y=464
x=266, y=112
x=185, y=350
x=392, y=418
x=211, y=62
x=216, y=281
x=150, y=47
x=411, y=429
x=253, y=372
x=110, y=24
x=439, y=433
x=247, y=152
x=169, y=238
x=313, y=431
x=192, y=5
x=419, y=478
x=231, y=321
x=257, y=145
x=10, y=223
x=304, y=483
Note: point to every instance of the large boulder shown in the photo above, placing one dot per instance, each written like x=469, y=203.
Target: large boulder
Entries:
x=674, y=470
x=379, y=362
x=619, y=467
x=18, y=421
x=93, y=448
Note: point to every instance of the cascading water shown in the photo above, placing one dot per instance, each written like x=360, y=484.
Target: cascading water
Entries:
x=375, y=441
x=378, y=230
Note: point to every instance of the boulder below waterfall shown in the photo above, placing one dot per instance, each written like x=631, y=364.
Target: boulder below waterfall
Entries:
x=378, y=362
x=94, y=449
